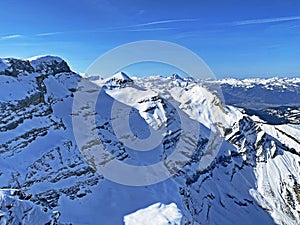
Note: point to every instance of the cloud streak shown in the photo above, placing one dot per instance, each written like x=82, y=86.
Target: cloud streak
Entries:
x=142, y=27
x=159, y=22
x=146, y=29
x=10, y=37
x=263, y=21
x=48, y=34
x=151, y=26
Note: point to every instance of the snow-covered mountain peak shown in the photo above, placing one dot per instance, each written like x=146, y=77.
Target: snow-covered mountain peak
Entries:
x=44, y=58
x=49, y=63
x=121, y=76
x=176, y=76
x=42, y=64
x=119, y=80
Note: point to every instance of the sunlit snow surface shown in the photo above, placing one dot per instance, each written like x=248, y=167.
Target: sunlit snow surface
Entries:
x=158, y=214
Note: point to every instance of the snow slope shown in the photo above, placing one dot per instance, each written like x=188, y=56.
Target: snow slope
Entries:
x=158, y=214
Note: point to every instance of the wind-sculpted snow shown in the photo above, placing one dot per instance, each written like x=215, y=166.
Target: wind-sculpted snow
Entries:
x=252, y=179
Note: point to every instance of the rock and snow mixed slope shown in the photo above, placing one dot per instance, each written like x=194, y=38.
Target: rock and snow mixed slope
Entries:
x=253, y=179
x=14, y=209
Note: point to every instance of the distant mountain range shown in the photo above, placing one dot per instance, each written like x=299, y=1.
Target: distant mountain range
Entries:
x=45, y=179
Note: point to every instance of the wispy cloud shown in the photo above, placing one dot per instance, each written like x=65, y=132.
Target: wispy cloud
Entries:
x=142, y=27
x=151, y=26
x=109, y=30
x=263, y=21
x=140, y=12
x=49, y=34
x=148, y=29
x=163, y=22
x=10, y=36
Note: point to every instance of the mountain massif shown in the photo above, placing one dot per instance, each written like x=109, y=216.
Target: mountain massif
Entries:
x=246, y=174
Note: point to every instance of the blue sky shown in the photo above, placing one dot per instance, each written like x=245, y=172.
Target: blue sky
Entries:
x=235, y=38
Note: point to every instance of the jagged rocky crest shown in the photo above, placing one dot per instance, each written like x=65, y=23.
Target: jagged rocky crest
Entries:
x=44, y=64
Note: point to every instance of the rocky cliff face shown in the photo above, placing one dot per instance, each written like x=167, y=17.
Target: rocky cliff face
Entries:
x=253, y=178
x=44, y=65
